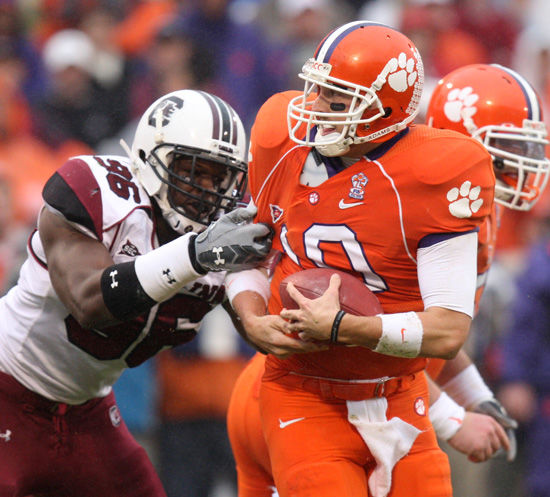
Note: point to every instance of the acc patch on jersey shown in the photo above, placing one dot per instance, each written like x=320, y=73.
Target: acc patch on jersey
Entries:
x=276, y=212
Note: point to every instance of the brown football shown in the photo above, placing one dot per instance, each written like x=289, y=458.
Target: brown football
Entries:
x=355, y=297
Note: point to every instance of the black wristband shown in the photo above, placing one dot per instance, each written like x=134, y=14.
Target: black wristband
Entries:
x=122, y=292
x=193, y=256
x=336, y=326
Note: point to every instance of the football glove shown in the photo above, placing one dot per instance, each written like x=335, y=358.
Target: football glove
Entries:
x=496, y=410
x=233, y=242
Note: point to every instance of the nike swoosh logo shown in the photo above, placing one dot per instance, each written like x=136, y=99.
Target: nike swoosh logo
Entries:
x=343, y=205
x=284, y=424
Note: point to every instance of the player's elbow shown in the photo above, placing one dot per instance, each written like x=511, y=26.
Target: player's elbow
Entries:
x=89, y=320
x=453, y=340
x=92, y=314
x=448, y=333
x=450, y=346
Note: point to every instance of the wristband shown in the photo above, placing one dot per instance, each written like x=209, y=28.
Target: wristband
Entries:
x=336, y=326
x=446, y=416
x=163, y=271
x=122, y=292
x=401, y=334
x=193, y=255
x=468, y=387
x=252, y=280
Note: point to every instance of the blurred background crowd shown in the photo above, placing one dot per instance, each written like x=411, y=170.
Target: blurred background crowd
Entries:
x=75, y=75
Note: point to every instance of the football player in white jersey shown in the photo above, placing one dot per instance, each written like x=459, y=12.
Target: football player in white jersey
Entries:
x=120, y=267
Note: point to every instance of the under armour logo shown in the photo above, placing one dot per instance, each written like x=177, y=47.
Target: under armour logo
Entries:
x=6, y=436
x=112, y=274
x=218, y=251
x=169, y=276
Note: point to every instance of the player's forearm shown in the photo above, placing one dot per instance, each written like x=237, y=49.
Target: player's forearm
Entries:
x=248, y=293
x=453, y=367
x=247, y=305
x=434, y=333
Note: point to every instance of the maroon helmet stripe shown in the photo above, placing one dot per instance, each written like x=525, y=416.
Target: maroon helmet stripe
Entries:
x=215, y=115
x=224, y=119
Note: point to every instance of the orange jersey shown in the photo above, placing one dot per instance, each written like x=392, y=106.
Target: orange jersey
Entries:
x=368, y=219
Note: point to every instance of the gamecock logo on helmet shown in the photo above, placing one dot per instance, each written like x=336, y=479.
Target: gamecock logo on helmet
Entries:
x=164, y=111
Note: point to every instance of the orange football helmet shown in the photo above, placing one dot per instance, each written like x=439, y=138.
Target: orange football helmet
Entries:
x=378, y=68
x=501, y=109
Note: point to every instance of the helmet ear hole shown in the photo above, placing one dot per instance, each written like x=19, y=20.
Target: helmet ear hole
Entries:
x=387, y=112
x=142, y=155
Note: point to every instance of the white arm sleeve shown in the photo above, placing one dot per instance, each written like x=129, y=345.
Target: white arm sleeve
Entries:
x=447, y=273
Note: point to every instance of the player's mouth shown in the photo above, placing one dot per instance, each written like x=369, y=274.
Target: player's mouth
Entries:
x=325, y=130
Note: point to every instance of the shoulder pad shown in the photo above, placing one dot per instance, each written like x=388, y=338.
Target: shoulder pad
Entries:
x=270, y=128
x=448, y=155
x=96, y=192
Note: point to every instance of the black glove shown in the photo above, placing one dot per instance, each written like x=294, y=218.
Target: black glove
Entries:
x=496, y=410
x=232, y=243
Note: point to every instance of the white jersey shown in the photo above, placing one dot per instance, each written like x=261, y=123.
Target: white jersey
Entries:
x=41, y=344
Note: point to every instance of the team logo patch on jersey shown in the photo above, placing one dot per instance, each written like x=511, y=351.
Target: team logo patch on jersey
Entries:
x=276, y=212
x=357, y=191
x=129, y=249
x=314, y=198
x=114, y=414
x=162, y=113
x=464, y=201
x=420, y=406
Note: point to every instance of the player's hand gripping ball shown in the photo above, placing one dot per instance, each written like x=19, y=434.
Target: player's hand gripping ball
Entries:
x=355, y=297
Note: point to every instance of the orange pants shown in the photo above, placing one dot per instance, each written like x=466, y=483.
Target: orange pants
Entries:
x=320, y=454
x=323, y=454
x=245, y=433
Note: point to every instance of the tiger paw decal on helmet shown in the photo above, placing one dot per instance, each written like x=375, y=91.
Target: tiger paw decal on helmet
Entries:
x=401, y=72
x=460, y=104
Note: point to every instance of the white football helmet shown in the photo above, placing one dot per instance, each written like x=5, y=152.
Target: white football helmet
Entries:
x=193, y=126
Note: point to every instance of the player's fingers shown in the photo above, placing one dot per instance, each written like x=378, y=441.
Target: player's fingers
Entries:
x=478, y=456
x=288, y=344
x=290, y=315
x=295, y=326
x=295, y=294
x=334, y=285
x=504, y=441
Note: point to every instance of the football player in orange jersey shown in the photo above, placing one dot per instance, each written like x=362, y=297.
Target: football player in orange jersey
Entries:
x=498, y=107
x=352, y=184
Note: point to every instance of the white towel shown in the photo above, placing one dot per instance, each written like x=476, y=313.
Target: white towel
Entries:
x=388, y=441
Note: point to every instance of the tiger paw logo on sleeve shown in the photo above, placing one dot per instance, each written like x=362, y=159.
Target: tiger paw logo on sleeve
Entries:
x=464, y=201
